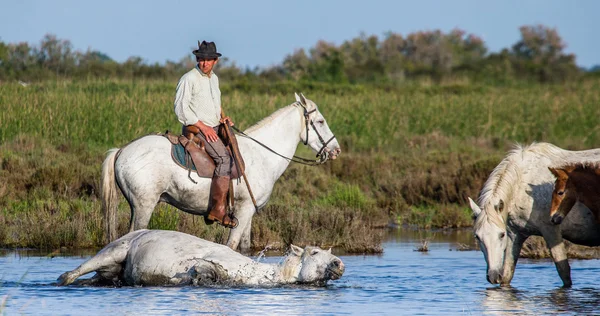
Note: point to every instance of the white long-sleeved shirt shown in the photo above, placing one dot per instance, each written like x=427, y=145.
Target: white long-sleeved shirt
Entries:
x=198, y=98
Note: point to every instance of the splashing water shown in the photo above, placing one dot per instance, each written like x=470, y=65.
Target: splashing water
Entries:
x=261, y=254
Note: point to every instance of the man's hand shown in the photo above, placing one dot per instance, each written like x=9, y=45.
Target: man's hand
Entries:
x=209, y=133
x=227, y=120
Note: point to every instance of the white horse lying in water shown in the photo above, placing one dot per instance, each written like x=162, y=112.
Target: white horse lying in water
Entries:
x=514, y=204
x=146, y=174
x=162, y=257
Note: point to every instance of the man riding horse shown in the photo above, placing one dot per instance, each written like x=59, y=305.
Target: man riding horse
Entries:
x=198, y=108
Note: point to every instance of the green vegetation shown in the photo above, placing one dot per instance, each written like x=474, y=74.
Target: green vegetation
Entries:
x=422, y=120
x=411, y=155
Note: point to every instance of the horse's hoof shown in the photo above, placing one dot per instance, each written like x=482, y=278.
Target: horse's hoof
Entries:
x=65, y=279
x=208, y=221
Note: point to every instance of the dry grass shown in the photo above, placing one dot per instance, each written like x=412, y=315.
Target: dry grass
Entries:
x=535, y=248
x=424, y=246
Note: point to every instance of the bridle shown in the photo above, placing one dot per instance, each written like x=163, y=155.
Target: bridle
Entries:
x=322, y=155
x=306, y=120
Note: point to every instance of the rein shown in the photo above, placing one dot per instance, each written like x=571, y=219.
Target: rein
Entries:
x=322, y=155
x=300, y=160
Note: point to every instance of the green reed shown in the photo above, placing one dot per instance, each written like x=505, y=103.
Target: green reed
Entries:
x=111, y=113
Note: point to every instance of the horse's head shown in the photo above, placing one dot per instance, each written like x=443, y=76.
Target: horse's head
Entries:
x=313, y=265
x=316, y=133
x=491, y=234
x=563, y=195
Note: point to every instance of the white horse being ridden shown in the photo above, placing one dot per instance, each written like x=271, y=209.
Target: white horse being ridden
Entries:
x=514, y=204
x=146, y=173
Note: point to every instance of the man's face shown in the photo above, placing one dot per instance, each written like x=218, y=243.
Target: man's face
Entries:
x=206, y=65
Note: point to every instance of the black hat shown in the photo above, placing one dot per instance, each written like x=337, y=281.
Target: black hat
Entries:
x=206, y=50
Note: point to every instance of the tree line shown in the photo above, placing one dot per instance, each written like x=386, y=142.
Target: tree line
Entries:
x=537, y=56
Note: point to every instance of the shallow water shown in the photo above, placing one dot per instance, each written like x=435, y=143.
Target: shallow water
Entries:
x=401, y=281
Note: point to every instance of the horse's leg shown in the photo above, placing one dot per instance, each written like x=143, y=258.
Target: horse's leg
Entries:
x=511, y=256
x=245, y=238
x=244, y=216
x=141, y=211
x=558, y=251
x=107, y=263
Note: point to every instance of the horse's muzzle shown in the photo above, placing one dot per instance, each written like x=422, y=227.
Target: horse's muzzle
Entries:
x=556, y=219
x=334, y=153
x=335, y=270
x=494, y=277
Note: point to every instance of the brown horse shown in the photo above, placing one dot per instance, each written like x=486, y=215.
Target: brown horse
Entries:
x=575, y=182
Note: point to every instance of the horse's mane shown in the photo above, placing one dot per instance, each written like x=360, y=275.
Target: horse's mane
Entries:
x=499, y=186
x=579, y=165
x=582, y=159
x=270, y=118
x=289, y=267
x=283, y=111
x=506, y=178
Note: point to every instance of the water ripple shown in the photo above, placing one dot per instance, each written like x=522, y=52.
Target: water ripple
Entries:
x=399, y=282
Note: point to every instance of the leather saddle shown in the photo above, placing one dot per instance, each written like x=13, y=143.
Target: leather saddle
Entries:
x=189, y=153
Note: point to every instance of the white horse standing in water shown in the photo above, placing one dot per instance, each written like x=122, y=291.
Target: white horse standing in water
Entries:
x=514, y=204
x=146, y=173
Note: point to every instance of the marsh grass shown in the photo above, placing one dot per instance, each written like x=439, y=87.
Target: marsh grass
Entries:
x=345, y=195
x=411, y=155
x=536, y=248
x=111, y=113
x=424, y=246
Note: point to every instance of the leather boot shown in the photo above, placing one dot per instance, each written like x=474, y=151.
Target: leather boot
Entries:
x=218, y=203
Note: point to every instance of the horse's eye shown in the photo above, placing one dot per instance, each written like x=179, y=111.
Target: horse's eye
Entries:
x=314, y=252
x=560, y=192
x=321, y=122
x=502, y=235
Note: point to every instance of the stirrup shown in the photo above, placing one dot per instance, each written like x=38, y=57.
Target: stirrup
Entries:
x=233, y=222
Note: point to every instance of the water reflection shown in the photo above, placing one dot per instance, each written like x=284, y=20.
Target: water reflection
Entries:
x=36, y=253
x=504, y=301
x=584, y=301
x=512, y=301
x=458, y=239
x=257, y=300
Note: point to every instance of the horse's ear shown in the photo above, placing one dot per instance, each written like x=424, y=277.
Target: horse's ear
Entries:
x=329, y=251
x=475, y=208
x=559, y=173
x=297, y=251
x=300, y=98
x=303, y=98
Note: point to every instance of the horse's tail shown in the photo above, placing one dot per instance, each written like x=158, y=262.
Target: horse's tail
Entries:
x=110, y=200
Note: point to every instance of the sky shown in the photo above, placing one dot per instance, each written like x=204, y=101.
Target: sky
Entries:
x=260, y=33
